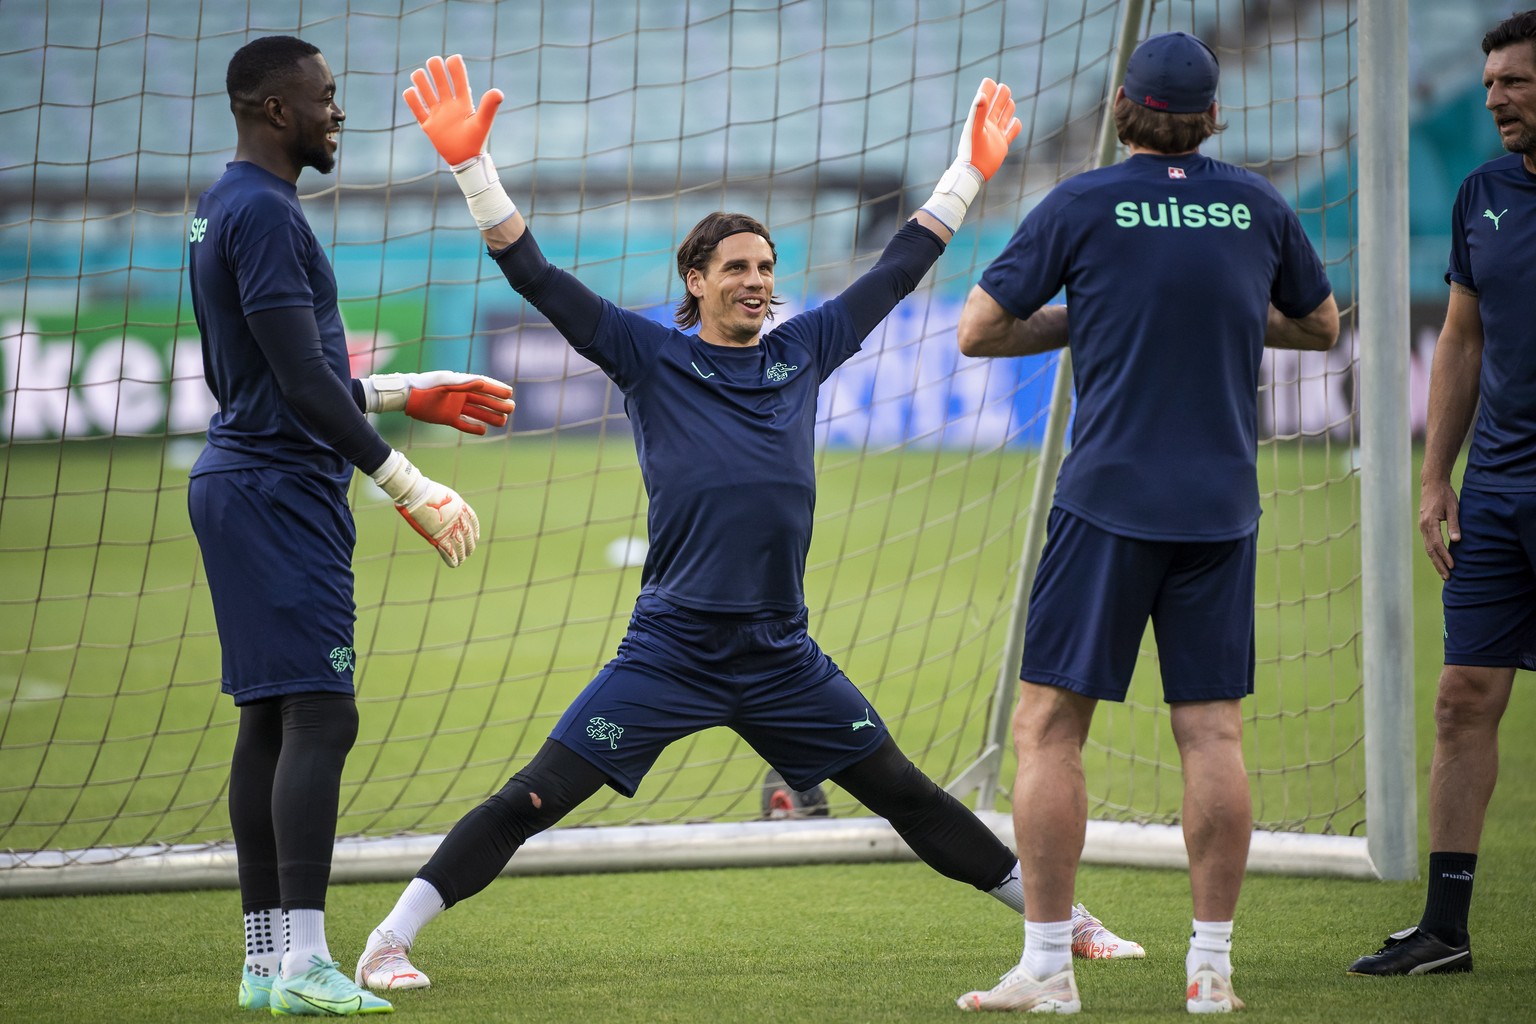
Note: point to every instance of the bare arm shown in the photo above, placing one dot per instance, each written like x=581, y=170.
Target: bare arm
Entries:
x=1453, y=394
x=505, y=233
x=988, y=330
x=933, y=224
x=1315, y=332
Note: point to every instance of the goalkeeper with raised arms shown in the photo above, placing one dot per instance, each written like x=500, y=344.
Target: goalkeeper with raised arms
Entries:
x=268, y=502
x=723, y=422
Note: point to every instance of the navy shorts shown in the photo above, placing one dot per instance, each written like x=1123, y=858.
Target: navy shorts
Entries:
x=678, y=672
x=1095, y=590
x=277, y=549
x=1490, y=599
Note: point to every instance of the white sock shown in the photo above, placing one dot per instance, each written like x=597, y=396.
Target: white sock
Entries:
x=419, y=904
x=1210, y=943
x=304, y=932
x=263, y=933
x=1010, y=890
x=1047, y=948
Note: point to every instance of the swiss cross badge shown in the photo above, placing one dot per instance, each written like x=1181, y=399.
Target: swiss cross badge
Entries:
x=1176, y=172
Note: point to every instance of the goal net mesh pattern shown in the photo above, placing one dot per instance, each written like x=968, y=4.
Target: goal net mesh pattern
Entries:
x=623, y=124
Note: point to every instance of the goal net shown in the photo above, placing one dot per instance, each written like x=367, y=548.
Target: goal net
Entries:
x=624, y=123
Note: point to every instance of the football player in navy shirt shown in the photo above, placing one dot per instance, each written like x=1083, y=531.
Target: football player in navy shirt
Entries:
x=1486, y=350
x=1178, y=270
x=723, y=421
x=268, y=502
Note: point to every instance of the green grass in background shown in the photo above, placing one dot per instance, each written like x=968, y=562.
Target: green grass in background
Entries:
x=107, y=648
x=824, y=943
x=115, y=732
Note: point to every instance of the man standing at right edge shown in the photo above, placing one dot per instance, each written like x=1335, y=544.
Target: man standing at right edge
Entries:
x=1179, y=270
x=1487, y=348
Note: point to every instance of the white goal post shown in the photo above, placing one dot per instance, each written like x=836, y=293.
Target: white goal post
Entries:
x=625, y=122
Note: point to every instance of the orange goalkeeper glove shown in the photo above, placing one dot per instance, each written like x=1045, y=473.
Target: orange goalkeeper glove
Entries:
x=434, y=511
x=989, y=129
x=465, y=401
x=446, y=110
x=441, y=100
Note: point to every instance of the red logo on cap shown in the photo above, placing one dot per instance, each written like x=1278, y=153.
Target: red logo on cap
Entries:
x=1154, y=104
x=1175, y=172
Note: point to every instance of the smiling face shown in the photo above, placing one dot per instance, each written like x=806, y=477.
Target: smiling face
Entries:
x=309, y=100
x=734, y=289
x=1509, y=75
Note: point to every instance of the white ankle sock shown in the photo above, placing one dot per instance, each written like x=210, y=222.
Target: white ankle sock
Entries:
x=263, y=941
x=1010, y=890
x=1210, y=943
x=1047, y=948
x=305, y=941
x=419, y=904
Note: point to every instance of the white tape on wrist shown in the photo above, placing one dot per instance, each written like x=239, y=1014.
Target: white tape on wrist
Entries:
x=400, y=480
x=488, y=201
x=953, y=195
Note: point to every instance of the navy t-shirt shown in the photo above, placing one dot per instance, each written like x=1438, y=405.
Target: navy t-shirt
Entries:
x=725, y=437
x=1493, y=252
x=252, y=250
x=1169, y=264
x=725, y=434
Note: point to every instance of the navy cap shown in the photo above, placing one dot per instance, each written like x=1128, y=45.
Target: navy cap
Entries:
x=1173, y=72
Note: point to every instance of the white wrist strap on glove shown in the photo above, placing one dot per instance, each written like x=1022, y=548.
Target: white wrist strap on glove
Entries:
x=385, y=392
x=402, y=481
x=488, y=201
x=953, y=195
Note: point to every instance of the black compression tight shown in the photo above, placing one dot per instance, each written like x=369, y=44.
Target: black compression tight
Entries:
x=480, y=845
x=940, y=829
x=284, y=788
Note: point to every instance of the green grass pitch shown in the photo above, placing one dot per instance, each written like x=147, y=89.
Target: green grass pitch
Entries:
x=463, y=672
x=827, y=943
